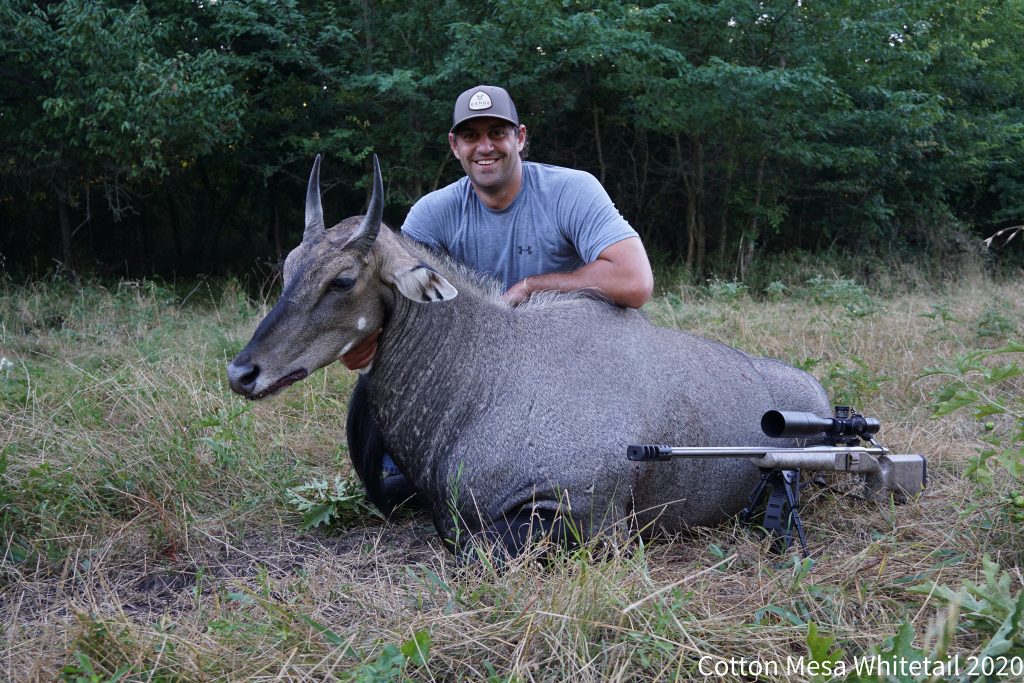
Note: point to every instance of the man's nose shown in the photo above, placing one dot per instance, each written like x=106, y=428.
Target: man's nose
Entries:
x=485, y=145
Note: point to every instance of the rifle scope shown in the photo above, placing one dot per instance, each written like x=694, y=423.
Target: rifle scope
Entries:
x=791, y=423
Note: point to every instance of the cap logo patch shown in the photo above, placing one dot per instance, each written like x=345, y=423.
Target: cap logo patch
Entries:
x=479, y=100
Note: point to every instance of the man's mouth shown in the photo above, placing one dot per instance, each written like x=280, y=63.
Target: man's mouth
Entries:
x=486, y=162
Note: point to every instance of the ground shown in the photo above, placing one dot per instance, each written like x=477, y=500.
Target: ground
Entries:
x=148, y=530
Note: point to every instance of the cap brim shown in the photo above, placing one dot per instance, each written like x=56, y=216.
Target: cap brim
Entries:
x=482, y=115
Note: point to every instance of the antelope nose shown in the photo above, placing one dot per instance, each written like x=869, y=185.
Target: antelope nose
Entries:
x=242, y=376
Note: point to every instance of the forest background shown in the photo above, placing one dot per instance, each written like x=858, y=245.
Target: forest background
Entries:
x=173, y=138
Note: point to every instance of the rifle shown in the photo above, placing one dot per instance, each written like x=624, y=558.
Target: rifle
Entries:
x=884, y=474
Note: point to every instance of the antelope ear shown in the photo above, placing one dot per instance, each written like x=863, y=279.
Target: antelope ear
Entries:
x=415, y=279
x=422, y=283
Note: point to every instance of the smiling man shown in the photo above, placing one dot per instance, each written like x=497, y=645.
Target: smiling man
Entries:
x=534, y=227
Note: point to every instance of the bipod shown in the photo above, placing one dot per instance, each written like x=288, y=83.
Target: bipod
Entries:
x=781, y=513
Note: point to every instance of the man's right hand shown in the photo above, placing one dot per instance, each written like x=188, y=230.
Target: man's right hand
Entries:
x=361, y=355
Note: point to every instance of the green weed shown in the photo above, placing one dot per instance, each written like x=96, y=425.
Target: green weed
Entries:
x=231, y=436
x=727, y=291
x=994, y=324
x=852, y=381
x=104, y=653
x=776, y=290
x=991, y=608
x=986, y=384
x=991, y=612
x=823, y=656
x=846, y=293
x=393, y=661
x=324, y=503
x=84, y=671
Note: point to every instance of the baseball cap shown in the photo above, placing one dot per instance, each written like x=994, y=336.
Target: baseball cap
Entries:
x=484, y=100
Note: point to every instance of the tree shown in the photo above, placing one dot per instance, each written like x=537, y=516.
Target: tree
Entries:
x=102, y=100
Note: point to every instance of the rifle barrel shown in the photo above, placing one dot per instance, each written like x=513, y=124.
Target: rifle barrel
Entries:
x=835, y=458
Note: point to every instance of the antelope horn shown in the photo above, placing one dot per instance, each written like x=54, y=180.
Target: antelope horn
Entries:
x=366, y=234
x=314, y=209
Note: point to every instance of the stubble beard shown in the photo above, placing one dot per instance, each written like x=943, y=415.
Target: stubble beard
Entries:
x=494, y=179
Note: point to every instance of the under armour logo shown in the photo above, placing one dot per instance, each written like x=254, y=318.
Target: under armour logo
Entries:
x=525, y=250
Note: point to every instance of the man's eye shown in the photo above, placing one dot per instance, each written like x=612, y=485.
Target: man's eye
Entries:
x=499, y=133
x=341, y=284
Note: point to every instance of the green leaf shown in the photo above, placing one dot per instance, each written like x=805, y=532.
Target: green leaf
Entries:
x=1007, y=638
x=901, y=647
x=1012, y=460
x=1012, y=347
x=959, y=399
x=330, y=636
x=417, y=648
x=1003, y=372
x=801, y=569
x=317, y=515
x=783, y=614
x=978, y=470
x=989, y=408
x=990, y=608
x=820, y=647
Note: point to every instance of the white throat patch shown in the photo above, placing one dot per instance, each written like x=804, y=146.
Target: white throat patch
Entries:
x=479, y=100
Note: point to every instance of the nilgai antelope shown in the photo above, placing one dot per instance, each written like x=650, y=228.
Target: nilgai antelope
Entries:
x=497, y=413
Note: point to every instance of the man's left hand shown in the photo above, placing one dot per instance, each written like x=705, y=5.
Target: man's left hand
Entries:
x=621, y=273
x=517, y=293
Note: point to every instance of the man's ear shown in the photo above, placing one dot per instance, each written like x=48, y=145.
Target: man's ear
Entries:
x=415, y=279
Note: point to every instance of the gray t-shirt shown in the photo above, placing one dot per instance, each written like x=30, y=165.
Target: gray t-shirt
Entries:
x=561, y=220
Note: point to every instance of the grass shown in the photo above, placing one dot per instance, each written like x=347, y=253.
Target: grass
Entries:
x=147, y=532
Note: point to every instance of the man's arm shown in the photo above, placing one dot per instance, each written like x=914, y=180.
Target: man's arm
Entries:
x=621, y=272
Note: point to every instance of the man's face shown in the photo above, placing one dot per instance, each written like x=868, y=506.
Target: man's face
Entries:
x=488, y=149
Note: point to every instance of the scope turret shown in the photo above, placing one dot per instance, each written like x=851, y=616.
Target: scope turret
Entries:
x=791, y=423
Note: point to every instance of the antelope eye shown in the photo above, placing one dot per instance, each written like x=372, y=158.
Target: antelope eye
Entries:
x=340, y=284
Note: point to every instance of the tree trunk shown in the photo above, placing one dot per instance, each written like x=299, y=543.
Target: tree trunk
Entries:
x=747, y=251
x=217, y=216
x=723, y=226
x=597, y=144
x=140, y=251
x=445, y=158
x=691, y=222
x=701, y=238
x=696, y=232
x=691, y=216
x=67, y=266
x=147, y=241
x=367, y=10
x=172, y=211
x=641, y=183
x=275, y=234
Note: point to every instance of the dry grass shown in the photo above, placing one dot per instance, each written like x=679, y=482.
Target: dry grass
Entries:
x=146, y=533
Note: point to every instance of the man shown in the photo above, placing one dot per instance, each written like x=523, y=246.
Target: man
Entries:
x=532, y=226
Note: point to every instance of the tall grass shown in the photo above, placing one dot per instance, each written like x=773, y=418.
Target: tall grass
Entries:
x=147, y=534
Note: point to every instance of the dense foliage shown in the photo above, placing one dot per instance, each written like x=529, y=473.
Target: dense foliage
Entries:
x=175, y=136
